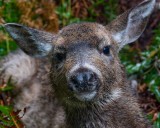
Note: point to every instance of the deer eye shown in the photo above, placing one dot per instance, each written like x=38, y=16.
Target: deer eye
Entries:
x=60, y=56
x=106, y=50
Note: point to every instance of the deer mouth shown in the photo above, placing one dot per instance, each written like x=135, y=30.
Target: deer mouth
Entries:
x=85, y=96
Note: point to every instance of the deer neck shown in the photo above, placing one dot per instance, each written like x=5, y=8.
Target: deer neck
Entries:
x=85, y=117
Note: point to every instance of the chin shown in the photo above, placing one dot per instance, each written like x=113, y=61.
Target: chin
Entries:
x=86, y=96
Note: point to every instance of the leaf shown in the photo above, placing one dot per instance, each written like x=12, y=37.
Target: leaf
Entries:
x=7, y=88
x=6, y=110
x=16, y=119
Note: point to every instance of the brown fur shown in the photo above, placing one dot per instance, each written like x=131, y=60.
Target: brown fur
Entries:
x=42, y=82
x=43, y=110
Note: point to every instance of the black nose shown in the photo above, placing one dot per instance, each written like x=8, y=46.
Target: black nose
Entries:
x=84, y=80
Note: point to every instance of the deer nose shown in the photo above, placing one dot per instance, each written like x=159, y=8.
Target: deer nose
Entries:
x=84, y=80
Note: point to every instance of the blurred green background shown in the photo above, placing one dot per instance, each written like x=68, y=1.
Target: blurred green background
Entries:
x=141, y=59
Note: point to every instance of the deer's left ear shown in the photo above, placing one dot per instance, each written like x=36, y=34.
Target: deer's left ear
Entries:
x=129, y=26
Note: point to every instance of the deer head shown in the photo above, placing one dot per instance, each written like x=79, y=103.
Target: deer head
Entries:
x=84, y=57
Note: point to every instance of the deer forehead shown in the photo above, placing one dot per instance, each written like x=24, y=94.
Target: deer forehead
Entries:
x=91, y=33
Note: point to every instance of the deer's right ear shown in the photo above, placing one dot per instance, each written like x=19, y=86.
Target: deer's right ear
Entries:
x=33, y=42
x=129, y=26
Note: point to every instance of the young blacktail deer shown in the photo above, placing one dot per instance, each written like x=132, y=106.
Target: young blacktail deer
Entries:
x=74, y=79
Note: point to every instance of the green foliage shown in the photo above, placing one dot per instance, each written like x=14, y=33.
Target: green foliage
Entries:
x=5, y=116
x=109, y=8
x=157, y=123
x=9, y=13
x=9, y=118
x=6, y=47
x=7, y=87
x=64, y=13
x=146, y=66
x=5, y=109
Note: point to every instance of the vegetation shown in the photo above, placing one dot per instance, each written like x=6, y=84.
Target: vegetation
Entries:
x=144, y=65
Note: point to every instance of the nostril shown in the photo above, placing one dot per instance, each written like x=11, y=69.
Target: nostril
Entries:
x=74, y=80
x=91, y=77
x=70, y=88
x=84, y=81
x=81, y=78
x=76, y=86
x=78, y=79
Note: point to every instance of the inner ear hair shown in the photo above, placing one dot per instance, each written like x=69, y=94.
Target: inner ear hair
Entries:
x=129, y=26
x=33, y=42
